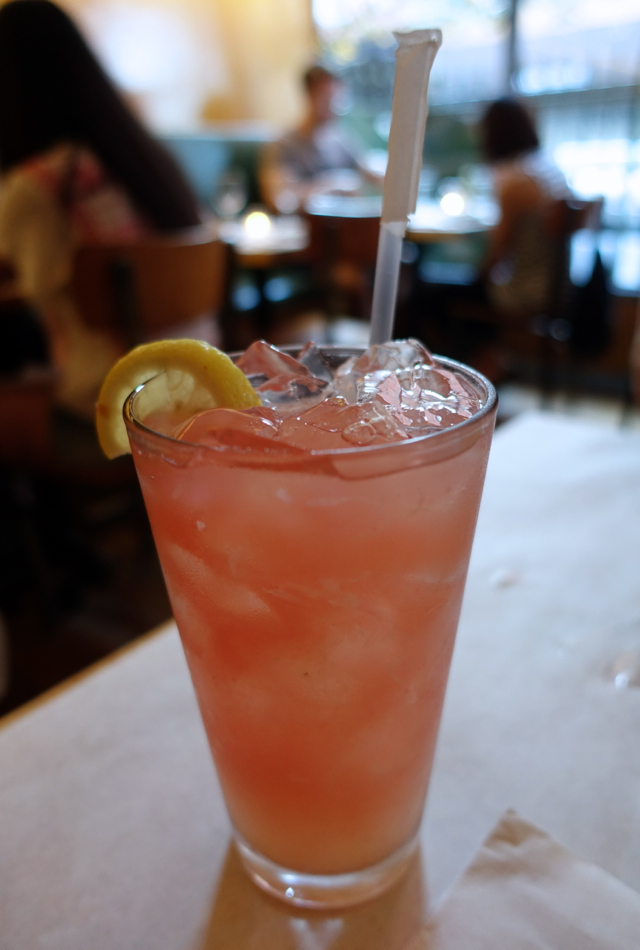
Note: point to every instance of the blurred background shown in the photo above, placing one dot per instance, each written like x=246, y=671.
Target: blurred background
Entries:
x=217, y=81
x=232, y=70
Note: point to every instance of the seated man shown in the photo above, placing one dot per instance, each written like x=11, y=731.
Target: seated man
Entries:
x=317, y=156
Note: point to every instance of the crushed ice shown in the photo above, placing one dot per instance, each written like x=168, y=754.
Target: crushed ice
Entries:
x=391, y=392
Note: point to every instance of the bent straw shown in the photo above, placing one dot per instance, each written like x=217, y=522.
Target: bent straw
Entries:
x=415, y=55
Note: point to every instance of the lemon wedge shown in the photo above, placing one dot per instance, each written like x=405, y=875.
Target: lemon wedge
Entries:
x=200, y=375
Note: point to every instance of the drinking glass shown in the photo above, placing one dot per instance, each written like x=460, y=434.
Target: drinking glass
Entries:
x=231, y=193
x=317, y=595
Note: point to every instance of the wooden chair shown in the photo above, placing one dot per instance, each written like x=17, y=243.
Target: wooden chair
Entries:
x=343, y=250
x=26, y=405
x=138, y=290
x=565, y=218
x=134, y=291
x=553, y=329
x=544, y=337
x=26, y=451
x=634, y=364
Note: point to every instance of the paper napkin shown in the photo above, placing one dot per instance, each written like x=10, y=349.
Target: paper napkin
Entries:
x=524, y=891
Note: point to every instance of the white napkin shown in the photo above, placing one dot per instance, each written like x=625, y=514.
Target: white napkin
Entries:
x=524, y=891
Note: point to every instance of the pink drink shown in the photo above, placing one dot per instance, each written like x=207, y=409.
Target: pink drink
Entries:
x=317, y=590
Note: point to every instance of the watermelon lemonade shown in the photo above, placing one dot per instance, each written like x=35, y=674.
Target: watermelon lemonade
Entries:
x=315, y=550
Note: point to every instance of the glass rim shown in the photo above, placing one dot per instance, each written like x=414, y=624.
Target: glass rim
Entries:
x=297, y=452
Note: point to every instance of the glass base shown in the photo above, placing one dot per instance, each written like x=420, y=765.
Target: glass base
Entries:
x=324, y=891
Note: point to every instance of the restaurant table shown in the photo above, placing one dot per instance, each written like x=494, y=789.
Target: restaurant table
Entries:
x=285, y=237
x=283, y=243
x=429, y=224
x=352, y=238
x=113, y=834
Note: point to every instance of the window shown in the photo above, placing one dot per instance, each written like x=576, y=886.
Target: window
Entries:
x=577, y=63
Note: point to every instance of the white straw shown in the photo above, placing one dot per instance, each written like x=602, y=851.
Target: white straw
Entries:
x=415, y=55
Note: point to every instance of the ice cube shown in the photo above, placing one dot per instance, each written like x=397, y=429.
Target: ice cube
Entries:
x=256, y=379
x=432, y=380
x=385, y=367
x=334, y=424
x=262, y=359
x=283, y=381
x=214, y=427
x=345, y=382
x=401, y=376
x=292, y=394
x=185, y=570
x=311, y=357
x=360, y=432
x=464, y=392
x=386, y=386
x=295, y=432
x=387, y=427
x=263, y=412
x=327, y=415
x=393, y=391
x=399, y=355
x=292, y=385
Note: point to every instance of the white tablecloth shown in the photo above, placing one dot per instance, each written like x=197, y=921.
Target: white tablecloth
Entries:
x=112, y=831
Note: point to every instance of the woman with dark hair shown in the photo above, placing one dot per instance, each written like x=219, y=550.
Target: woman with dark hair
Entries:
x=507, y=130
x=520, y=264
x=516, y=277
x=77, y=167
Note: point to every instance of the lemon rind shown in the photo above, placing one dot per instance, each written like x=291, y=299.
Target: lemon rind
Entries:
x=209, y=368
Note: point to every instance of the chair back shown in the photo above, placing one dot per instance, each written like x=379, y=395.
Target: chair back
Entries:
x=565, y=217
x=26, y=405
x=336, y=239
x=342, y=251
x=138, y=289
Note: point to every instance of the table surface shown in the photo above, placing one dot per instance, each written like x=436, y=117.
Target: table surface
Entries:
x=112, y=828
x=429, y=222
x=289, y=234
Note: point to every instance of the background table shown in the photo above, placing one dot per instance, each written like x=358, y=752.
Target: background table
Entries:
x=112, y=829
x=431, y=225
x=286, y=235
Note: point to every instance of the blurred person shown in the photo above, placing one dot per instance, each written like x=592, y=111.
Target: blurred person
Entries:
x=520, y=264
x=76, y=167
x=516, y=277
x=316, y=157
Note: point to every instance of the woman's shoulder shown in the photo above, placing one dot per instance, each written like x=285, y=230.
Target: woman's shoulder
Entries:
x=21, y=193
x=44, y=177
x=51, y=168
x=74, y=178
x=529, y=179
x=546, y=173
x=513, y=186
